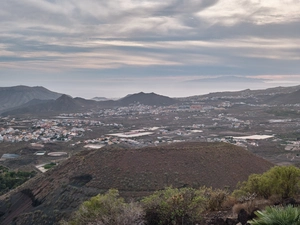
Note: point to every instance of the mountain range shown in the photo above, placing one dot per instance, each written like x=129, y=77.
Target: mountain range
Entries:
x=21, y=100
x=11, y=97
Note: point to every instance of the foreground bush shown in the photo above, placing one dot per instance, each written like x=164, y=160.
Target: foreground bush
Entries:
x=170, y=206
x=174, y=206
x=283, y=181
x=181, y=206
x=277, y=216
x=108, y=209
x=214, y=198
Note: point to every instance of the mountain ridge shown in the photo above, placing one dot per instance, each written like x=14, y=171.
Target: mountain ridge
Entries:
x=147, y=99
x=66, y=103
x=14, y=103
x=15, y=96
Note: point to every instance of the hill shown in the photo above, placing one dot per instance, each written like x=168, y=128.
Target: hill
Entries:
x=11, y=97
x=261, y=94
x=135, y=172
x=64, y=103
x=147, y=99
x=282, y=99
x=67, y=104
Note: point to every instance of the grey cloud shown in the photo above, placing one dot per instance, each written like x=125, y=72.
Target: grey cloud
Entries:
x=61, y=31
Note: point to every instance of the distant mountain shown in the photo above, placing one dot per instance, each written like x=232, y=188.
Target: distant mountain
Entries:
x=99, y=99
x=64, y=103
x=228, y=79
x=11, y=97
x=49, y=197
x=28, y=105
x=282, y=99
x=260, y=96
x=147, y=99
x=67, y=104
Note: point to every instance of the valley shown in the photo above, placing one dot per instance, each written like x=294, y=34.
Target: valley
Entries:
x=140, y=144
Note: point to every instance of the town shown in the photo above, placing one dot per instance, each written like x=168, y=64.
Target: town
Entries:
x=267, y=130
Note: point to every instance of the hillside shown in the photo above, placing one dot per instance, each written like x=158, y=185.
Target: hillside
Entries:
x=281, y=99
x=11, y=97
x=260, y=95
x=147, y=99
x=64, y=103
x=135, y=172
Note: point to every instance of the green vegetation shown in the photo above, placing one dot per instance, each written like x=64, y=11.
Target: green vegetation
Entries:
x=11, y=179
x=174, y=206
x=283, y=181
x=277, y=215
x=49, y=166
x=108, y=209
x=170, y=206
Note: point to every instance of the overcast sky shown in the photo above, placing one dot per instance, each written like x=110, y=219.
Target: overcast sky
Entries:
x=115, y=47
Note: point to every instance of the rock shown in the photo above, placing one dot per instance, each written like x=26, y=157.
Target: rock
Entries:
x=253, y=215
x=217, y=221
x=289, y=201
x=230, y=221
x=243, y=217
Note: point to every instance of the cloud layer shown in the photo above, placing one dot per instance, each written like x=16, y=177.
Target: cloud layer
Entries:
x=135, y=39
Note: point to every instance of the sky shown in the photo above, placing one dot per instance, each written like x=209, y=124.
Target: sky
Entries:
x=173, y=47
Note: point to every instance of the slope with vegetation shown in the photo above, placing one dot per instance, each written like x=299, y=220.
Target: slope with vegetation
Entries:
x=134, y=172
x=189, y=206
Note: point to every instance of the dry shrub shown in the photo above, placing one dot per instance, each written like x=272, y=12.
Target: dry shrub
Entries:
x=239, y=206
x=274, y=199
x=229, y=202
x=250, y=206
x=214, y=198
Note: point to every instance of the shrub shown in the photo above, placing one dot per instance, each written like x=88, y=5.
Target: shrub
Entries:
x=277, y=215
x=49, y=166
x=214, y=198
x=279, y=180
x=174, y=206
x=108, y=209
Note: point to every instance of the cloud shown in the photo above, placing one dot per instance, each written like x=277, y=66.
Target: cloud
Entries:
x=143, y=38
x=253, y=11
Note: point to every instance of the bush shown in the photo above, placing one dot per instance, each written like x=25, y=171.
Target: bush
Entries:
x=174, y=206
x=279, y=180
x=277, y=216
x=49, y=166
x=108, y=209
x=214, y=198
